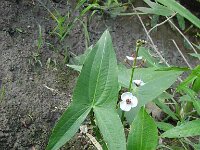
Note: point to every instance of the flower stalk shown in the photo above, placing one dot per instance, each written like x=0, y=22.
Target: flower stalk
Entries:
x=139, y=43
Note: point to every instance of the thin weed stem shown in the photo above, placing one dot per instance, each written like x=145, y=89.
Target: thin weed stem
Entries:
x=133, y=67
x=182, y=54
x=159, y=24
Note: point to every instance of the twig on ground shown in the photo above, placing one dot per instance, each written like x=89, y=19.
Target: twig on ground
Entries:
x=94, y=141
x=182, y=54
x=159, y=24
x=150, y=39
x=182, y=35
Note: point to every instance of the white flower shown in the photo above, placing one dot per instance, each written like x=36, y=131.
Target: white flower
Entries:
x=128, y=101
x=138, y=83
x=132, y=58
x=139, y=57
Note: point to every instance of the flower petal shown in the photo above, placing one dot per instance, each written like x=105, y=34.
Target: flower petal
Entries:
x=138, y=82
x=130, y=58
x=134, y=101
x=126, y=95
x=124, y=106
x=142, y=83
x=139, y=57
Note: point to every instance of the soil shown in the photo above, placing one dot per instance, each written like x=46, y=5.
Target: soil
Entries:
x=34, y=93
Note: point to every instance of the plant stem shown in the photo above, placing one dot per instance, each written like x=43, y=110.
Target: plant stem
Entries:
x=133, y=67
x=138, y=44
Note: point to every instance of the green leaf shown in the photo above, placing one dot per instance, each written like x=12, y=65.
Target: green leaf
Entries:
x=104, y=91
x=188, y=129
x=165, y=108
x=195, y=55
x=196, y=85
x=75, y=67
x=173, y=68
x=97, y=90
x=156, y=9
x=197, y=46
x=197, y=146
x=193, y=97
x=196, y=104
x=154, y=21
x=181, y=21
x=143, y=134
x=156, y=83
x=80, y=59
x=186, y=82
x=175, y=6
x=151, y=62
x=110, y=127
x=68, y=125
x=164, y=126
x=80, y=3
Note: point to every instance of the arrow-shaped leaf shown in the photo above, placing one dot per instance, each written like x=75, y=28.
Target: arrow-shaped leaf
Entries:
x=97, y=90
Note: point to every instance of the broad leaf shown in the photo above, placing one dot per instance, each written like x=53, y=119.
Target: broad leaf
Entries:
x=108, y=123
x=67, y=126
x=104, y=91
x=188, y=129
x=80, y=59
x=143, y=134
x=175, y=6
x=97, y=90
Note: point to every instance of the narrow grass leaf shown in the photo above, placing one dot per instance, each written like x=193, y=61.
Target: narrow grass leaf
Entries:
x=164, y=126
x=175, y=6
x=195, y=55
x=155, y=9
x=188, y=129
x=165, y=108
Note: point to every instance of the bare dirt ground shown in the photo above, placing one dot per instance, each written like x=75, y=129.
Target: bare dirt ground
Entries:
x=34, y=96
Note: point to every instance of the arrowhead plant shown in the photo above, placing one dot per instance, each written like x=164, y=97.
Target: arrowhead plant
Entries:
x=96, y=94
x=96, y=91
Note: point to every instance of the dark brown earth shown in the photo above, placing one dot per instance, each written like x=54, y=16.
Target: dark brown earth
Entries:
x=33, y=97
